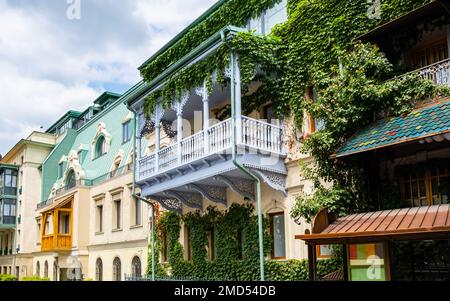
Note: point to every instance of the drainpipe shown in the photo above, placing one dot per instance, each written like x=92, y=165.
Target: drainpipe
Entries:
x=137, y=197
x=236, y=94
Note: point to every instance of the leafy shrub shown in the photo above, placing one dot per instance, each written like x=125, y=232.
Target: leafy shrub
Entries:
x=8, y=278
x=35, y=278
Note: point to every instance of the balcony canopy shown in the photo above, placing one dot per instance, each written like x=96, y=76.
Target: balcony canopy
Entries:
x=426, y=124
x=431, y=222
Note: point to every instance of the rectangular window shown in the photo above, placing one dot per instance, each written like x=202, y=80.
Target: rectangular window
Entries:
x=138, y=212
x=60, y=170
x=431, y=54
x=118, y=212
x=366, y=262
x=278, y=234
x=165, y=247
x=425, y=187
x=126, y=132
x=10, y=182
x=187, y=233
x=99, y=227
x=64, y=223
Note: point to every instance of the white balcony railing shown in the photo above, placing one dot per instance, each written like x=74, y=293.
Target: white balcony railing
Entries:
x=439, y=72
x=256, y=134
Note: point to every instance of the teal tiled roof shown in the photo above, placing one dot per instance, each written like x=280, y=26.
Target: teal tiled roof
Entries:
x=420, y=123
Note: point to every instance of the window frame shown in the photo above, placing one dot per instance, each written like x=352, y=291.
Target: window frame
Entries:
x=272, y=229
x=126, y=132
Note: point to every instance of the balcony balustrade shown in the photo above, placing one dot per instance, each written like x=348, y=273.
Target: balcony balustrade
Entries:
x=56, y=242
x=254, y=134
x=439, y=72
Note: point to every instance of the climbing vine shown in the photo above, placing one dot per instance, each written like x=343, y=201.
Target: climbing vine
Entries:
x=236, y=255
x=302, y=53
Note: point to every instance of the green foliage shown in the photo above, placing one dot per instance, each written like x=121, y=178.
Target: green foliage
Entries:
x=346, y=103
x=8, y=278
x=234, y=260
x=233, y=12
x=35, y=278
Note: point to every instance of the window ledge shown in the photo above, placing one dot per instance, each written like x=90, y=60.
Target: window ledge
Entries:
x=99, y=233
x=117, y=230
x=136, y=227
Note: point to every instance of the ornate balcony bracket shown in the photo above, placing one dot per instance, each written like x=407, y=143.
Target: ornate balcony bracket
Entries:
x=190, y=199
x=178, y=106
x=212, y=193
x=171, y=204
x=243, y=187
x=274, y=180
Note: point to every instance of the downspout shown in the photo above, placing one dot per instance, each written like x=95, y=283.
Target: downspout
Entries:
x=137, y=197
x=236, y=92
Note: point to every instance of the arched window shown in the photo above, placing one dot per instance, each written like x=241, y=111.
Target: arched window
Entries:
x=99, y=270
x=136, y=267
x=71, y=180
x=46, y=269
x=38, y=269
x=117, y=269
x=100, y=147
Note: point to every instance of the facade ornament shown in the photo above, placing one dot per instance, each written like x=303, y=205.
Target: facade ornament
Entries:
x=170, y=204
x=244, y=187
x=214, y=194
x=275, y=180
x=190, y=199
x=178, y=105
x=101, y=131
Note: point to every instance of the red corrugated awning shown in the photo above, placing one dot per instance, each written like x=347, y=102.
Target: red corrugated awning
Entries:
x=431, y=222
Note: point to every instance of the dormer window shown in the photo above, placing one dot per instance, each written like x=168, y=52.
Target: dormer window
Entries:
x=100, y=147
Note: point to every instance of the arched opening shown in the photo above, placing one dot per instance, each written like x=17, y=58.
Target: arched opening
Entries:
x=99, y=270
x=46, y=269
x=55, y=271
x=117, y=269
x=136, y=267
x=100, y=147
x=71, y=180
x=38, y=269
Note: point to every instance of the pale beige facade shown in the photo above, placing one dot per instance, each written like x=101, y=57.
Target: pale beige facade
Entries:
x=28, y=154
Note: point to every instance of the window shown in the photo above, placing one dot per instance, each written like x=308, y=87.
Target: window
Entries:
x=187, y=233
x=165, y=247
x=366, y=262
x=431, y=54
x=137, y=212
x=10, y=182
x=99, y=270
x=80, y=156
x=8, y=212
x=126, y=131
x=117, y=269
x=278, y=234
x=38, y=269
x=212, y=250
x=425, y=187
x=71, y=180
x=100, y=147
x=64, y=222
x=99, y=226
x=136, y=267
x=117, y=214
x=46, y=269
x=60, y=170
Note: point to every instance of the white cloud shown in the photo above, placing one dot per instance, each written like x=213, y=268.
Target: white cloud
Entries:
x=49, y=64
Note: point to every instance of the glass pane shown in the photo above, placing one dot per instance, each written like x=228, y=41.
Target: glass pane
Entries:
x=423, y=192
x=366, y=262
x=279, y=237
x=415, y=193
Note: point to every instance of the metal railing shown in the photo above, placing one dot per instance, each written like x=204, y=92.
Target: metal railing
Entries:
x=255, y=134
x=438, y=72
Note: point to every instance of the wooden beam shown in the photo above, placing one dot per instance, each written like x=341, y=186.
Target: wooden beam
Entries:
x=312, y=262
x=345, y=261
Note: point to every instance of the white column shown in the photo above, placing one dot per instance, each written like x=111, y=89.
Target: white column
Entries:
x=157, y=118
x=238, y=100
x=205, y=118
x=179, y=134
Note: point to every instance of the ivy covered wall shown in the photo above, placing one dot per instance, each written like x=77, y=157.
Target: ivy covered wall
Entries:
x=298, y=55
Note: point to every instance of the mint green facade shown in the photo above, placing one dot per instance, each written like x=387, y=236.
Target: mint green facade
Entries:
x=108, y=113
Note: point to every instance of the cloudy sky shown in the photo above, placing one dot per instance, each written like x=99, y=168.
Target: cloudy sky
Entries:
x=52, y=62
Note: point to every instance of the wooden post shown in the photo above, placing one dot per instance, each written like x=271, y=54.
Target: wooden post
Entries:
x=345, y=261
x=312, y=262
